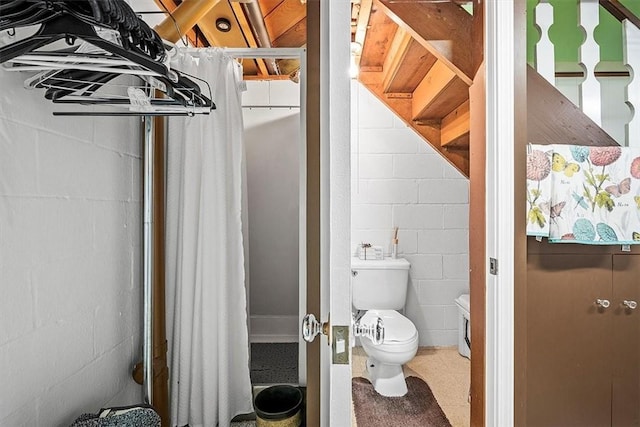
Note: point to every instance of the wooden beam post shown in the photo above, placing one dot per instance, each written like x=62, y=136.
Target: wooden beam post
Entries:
x=183, y=18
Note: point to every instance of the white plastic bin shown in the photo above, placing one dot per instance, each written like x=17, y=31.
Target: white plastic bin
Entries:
x=464, y=325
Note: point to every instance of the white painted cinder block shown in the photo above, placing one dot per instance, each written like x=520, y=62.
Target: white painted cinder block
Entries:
x=79, y=394
x=433, y=227
x=372, y=166
x=18, y=144
x=431, y=317
x=417, y=166
x=386, y=191
x=455, y=266
x=444, y=191
x=371, y=112
x=440, y=292
x=372, y=216
x=425, y=266
x=448, y=241
x=415, y=216
x=456, y=216
x=389, y=141
x=69, y=239
x=450, y=172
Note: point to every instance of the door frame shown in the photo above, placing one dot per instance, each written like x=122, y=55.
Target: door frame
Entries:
x=505, y=134
x=505, y=144
x=301, y=55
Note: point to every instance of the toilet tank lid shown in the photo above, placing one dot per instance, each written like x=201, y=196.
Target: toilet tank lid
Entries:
x=387, y=263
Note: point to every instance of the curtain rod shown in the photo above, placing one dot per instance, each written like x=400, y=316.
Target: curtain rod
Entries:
x=271, y=106
x=259, y=52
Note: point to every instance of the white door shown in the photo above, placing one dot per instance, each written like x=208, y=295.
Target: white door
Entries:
x=335, y=122
x=335, y=215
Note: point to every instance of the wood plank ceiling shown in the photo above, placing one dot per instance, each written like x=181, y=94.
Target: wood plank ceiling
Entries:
x=415, y=56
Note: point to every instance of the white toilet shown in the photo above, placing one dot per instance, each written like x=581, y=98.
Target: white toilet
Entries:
x=379, y=289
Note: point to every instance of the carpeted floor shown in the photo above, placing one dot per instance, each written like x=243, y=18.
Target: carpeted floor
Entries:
x=274, y=363
x=446, y=372
x=418, y=408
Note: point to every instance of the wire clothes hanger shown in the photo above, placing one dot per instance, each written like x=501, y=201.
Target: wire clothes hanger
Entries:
x=115, y=42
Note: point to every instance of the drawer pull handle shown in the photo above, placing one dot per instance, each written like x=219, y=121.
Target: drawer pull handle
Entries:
x=603, y=303
x=631, y=305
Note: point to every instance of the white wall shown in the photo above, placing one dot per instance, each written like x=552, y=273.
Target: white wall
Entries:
x=69, y=260
x=399, y=180
x=272, y=138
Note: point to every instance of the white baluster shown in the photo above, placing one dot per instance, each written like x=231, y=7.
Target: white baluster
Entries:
x=631, y=58
x=588, y=19
x=545, y=50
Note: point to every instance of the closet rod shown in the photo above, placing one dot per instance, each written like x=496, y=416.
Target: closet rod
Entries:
x=290, y=107
x=123, y=113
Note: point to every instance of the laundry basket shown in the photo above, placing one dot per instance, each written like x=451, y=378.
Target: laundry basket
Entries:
x=279, y=406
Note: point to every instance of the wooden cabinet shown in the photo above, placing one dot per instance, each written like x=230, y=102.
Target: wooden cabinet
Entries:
x=625, y=387
x=583, y=360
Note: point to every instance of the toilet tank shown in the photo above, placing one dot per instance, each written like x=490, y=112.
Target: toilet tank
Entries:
x=379, y=284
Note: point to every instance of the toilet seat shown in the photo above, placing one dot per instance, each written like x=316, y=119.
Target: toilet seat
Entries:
x=400, y=334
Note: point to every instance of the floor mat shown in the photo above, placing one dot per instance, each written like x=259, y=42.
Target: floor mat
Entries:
x=274, y=363
x=418, y=408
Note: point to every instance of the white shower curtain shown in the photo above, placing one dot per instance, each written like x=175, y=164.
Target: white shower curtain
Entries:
x=206, y=296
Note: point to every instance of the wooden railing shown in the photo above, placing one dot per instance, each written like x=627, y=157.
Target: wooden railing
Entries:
x=610, y=97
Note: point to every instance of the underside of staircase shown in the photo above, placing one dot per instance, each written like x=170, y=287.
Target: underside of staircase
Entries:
x=420, y=59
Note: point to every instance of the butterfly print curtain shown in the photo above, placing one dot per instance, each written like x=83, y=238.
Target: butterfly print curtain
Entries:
x=587, y=195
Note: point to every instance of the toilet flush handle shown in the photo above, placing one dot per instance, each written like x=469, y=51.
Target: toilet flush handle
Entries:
x=375, y=332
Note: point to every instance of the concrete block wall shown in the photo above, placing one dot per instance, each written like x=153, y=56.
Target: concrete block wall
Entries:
x=399, y=180
x=70, y=249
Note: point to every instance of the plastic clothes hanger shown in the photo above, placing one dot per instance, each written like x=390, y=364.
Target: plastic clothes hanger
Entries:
x=73, y=20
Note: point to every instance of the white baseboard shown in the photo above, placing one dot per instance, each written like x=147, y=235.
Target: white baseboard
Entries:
x=274, y=329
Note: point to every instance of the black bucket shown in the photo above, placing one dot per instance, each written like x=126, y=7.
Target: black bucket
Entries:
x=279, y=406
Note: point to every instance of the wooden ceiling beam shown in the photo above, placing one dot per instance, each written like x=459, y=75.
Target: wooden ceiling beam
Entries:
x=183, y=18
x=295, y=36
x=248, y=35
x=454, y=128
x=395, y=56
x=447, y=35
x=266, y=6
x=283, y=17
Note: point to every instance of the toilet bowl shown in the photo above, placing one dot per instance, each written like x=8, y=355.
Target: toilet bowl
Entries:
x=379, y=290
x=384, y=361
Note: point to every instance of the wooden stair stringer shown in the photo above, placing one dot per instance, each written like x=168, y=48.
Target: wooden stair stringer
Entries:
x=554, y=119
x=430, y=131
x=447, y=35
